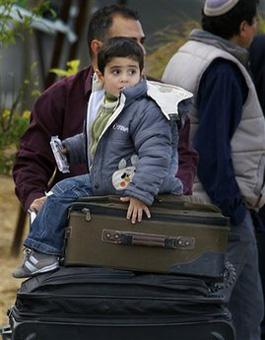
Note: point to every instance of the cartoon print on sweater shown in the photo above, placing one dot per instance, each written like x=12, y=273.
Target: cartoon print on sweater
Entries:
x=122, y=177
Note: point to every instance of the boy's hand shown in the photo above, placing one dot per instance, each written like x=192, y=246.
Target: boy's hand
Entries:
x=135, y=209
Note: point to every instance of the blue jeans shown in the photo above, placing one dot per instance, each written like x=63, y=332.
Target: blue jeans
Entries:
x=47, y=231
x=245, y=297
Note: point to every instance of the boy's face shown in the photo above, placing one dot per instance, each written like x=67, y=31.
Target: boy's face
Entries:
x=120, y=73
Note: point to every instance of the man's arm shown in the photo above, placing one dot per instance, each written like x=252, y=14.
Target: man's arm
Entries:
x=188, y=159
x=221, y=96
x=35, y=164
x=60, y=111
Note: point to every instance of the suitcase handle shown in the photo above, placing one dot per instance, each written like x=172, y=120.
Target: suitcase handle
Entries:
x=128, y=238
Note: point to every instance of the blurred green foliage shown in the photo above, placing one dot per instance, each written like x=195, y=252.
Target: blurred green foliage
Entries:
x=167, y=43
x=14, y=120
x=10, y=27
x=72, y=68
x=12, y=126
x=261, y=24
x=14, y=117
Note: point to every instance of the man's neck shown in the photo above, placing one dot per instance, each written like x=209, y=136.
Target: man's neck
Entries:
x=94, y=64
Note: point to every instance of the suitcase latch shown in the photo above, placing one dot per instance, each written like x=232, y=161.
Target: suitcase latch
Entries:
x=87, y=214
x=127, y=238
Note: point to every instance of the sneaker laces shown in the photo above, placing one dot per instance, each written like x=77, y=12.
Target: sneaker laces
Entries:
x=27, y=250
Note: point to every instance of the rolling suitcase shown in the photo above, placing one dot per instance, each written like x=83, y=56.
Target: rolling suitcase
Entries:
x=105, y=304
x=183, y=236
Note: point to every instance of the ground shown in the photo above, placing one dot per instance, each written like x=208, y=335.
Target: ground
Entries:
x=9, y=208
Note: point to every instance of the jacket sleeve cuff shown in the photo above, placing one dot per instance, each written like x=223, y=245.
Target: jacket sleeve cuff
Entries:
x=76, y=149
x=146, y=198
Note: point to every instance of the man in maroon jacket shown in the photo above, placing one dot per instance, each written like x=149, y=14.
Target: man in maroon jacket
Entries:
x=61, y=110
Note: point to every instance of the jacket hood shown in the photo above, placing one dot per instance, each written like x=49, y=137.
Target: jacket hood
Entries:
x=172, y=100
x=205, y=37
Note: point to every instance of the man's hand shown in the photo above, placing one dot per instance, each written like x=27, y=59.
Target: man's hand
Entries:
x=136, y=209
x=37, y=203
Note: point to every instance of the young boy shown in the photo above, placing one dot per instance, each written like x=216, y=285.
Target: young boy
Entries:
x=127, y=143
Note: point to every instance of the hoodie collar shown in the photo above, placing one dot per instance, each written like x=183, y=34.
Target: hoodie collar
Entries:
x=134, y=92
x=238, y=52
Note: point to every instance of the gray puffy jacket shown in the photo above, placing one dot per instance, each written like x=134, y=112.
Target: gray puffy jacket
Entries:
x=134, y=153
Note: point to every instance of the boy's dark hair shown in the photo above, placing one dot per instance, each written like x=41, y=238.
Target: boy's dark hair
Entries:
x=228, y=24
x=101, y=21
x=120, y=47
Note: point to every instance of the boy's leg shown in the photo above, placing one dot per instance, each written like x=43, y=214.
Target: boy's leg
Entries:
x=47, y=231
x=45, y=240
x=245, y=298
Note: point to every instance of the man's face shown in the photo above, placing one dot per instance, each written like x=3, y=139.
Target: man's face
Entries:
x=252, y=32
x=129, y=28
x=120, y=73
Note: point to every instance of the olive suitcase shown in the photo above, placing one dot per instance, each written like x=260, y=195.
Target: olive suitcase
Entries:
x=183, y=236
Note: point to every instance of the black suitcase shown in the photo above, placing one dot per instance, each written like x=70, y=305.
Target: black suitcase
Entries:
x=104, y=304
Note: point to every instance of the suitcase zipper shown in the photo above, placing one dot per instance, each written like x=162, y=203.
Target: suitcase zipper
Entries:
x=179, y=289
x=130, y=319
x=115, y=278
x=185, y=217
x=180, y=300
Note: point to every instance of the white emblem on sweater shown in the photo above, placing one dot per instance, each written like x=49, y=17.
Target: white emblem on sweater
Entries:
x=122, y=177
x=120, y=128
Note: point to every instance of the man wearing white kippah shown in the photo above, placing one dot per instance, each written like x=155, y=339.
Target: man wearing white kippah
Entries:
x=228, y=131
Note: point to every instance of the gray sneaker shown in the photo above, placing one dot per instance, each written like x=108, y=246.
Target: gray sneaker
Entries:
x=35, y=263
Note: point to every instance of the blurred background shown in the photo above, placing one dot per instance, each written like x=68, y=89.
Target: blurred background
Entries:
x=63, y=33
x=39, y=35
